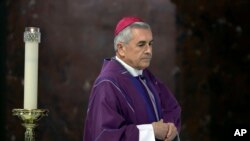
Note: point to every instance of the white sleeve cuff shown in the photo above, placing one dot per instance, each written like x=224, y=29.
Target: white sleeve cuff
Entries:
x=146, y=132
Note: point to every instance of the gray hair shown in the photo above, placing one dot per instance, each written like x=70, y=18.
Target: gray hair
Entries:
x=125, y=35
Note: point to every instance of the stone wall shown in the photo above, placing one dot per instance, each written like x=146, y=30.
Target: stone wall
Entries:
x=214, y=57
x=201, y=51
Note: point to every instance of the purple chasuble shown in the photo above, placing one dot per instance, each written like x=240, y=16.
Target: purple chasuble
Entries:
x=118, y=103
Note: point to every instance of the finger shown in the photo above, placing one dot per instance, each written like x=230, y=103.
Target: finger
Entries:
x=170, y=130
x=173, y=134
x=171, y=137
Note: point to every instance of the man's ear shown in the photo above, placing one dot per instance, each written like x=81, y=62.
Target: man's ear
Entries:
x=121, y=49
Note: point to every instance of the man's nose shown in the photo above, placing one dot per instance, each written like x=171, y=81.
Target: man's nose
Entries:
x=148, y=49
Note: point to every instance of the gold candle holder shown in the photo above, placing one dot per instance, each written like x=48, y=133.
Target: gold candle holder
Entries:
x=30, y=118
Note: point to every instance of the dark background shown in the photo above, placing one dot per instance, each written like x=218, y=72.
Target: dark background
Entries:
x=201, y=51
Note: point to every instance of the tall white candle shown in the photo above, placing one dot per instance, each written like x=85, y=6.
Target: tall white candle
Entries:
x=31, y=39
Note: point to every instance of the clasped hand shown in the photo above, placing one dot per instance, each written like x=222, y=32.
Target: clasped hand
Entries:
x=164, y=131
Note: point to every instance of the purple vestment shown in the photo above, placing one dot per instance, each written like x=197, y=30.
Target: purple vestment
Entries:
x=118, y=103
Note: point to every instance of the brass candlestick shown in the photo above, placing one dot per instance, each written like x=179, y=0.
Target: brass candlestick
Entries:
x=30, y=118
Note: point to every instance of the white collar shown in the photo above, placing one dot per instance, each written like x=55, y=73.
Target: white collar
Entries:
x=134, y=72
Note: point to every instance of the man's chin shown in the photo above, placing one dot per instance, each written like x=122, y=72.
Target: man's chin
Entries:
x=144, y=66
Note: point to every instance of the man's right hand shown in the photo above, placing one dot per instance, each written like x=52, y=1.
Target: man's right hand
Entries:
x=160, y=129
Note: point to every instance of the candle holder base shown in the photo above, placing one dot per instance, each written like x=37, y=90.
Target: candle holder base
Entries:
x=30, y=118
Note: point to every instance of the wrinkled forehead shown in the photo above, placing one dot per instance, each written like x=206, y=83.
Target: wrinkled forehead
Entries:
x=141, y=34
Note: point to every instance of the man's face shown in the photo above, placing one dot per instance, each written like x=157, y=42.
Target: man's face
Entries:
x=138, y=52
